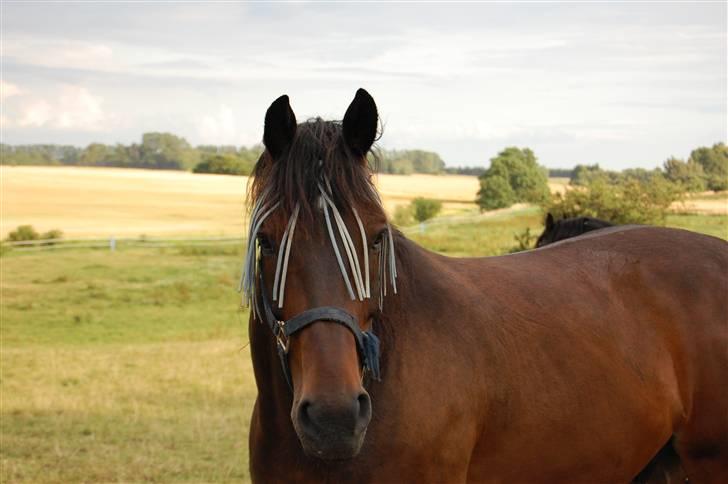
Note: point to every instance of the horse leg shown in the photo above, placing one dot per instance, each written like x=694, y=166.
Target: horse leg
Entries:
x=702, y=442
x=664, y=468
x=705, y=462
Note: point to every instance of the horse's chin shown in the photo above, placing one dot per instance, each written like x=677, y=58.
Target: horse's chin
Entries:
x=332, y=448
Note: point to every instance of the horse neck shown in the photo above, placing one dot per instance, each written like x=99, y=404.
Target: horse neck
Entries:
x=421, y=290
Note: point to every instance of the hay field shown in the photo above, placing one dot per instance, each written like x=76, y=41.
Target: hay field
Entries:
x=101, y=202
x=87, y=202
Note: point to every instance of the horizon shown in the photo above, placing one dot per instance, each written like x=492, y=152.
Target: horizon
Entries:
x=624, y=86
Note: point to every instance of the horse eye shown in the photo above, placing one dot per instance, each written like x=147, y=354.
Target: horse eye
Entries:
x=265, y=244
x=377, y=244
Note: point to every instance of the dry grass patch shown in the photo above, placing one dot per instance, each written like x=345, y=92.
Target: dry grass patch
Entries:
x=159, y=412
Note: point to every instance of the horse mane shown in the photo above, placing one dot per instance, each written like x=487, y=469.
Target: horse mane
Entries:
x=570, y=227
x=316, y=155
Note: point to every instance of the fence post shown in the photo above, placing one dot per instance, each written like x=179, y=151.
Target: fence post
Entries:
x=112, y=244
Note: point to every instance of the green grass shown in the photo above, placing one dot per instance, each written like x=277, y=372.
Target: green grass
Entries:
x=124, y=366
x=493, y=235
x=132, y=366
x=715, y=225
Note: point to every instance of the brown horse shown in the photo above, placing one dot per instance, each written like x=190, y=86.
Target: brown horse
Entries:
x=576, y=362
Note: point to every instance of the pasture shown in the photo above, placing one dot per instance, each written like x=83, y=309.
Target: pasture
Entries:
x=133, y=365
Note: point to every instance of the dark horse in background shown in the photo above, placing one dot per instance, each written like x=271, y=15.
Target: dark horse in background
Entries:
x=567, y=228
x=468, y=371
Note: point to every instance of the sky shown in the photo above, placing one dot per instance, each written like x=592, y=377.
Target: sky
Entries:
x=619, y=84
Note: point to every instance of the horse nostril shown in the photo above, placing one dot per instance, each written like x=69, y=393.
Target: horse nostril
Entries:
x=304, y=418
x=365, y=410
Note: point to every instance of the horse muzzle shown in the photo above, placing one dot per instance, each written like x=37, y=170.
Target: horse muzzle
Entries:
x=332, y=430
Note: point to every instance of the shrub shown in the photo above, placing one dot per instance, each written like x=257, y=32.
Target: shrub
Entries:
x=403, y=216
x=52, y=234
x=425, y=208
x=27, y=232
x=23, y=232
x=525, y=240
x=627, y=201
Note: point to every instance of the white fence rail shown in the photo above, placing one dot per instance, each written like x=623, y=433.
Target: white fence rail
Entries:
x=113, y=243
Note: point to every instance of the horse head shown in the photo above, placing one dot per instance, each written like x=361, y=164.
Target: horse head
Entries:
x=319, y=263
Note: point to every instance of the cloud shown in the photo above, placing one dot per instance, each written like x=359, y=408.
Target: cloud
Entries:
x=59, y=53
x=76, y=108
x=36, y=113
x=220, y=128
x=8, y=90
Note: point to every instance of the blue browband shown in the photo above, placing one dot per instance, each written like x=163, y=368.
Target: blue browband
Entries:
x=367, y=342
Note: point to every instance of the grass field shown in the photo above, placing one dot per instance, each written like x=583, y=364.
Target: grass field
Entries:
x=132, y=365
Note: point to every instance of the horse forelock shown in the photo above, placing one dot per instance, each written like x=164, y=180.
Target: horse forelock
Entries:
x=318, y=179
x=317, y=156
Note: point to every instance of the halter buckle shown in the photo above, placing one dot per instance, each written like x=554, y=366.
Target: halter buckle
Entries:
x=282, y=341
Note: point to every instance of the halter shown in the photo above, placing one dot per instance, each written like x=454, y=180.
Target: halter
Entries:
x=367, y=342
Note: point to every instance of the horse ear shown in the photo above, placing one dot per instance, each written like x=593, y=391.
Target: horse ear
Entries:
x=280, y=127
x=549, y=221
x=360, y=123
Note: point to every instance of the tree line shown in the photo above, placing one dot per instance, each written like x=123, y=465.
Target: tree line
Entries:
x=634, y=195
x=166, y=151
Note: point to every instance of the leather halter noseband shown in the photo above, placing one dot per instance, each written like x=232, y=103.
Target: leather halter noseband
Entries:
x=367, y=343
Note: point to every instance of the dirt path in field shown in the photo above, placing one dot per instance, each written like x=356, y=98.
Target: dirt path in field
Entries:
x=708, y=203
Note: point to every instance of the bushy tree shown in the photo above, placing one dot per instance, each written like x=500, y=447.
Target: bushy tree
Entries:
x=627, y=201
x=528, y=181
x=689, y=175
x=425, y=208
x=714, y=161
x=495, y=192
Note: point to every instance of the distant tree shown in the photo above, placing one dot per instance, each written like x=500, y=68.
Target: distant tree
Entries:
x=465, y=170
x=95, y=154
x=167, y=151
x=227, y=164
x=425, y=208
x=714, y=161
x=404, y=162
x=689, y=175
x=561, y=172
x=519, y=169
x=583, y=174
